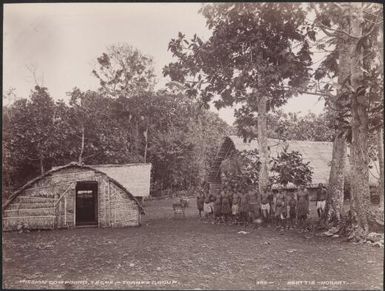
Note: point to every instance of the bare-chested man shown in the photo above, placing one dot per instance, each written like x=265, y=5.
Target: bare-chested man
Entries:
x=321, y=200
x=265, y=205
x=280, y=208
x=292, y=209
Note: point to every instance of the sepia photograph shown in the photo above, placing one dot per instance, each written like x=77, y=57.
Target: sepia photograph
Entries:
x=193, y=146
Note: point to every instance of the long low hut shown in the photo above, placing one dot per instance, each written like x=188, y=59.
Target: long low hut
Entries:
x=318, y=154
x=78, y=195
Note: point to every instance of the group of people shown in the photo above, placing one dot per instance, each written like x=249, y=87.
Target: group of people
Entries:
x=225, y=207
x=279, y=207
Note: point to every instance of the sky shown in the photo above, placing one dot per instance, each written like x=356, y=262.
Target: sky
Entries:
x=61, y=41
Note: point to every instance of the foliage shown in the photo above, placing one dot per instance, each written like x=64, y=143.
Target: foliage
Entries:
x=289, y=126
x=240, y=171
x=105, y=137
x=183, y=142
x=292, y=126
x=288, y=167
x=329, y=18
x=33, y=137
x=250, y=60
x=182, y=137
x=247, y=51
x=124, y=71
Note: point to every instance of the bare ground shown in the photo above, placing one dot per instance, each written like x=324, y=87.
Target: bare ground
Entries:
x=169, y=253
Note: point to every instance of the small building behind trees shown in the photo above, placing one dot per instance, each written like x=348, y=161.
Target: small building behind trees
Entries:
x=79, y=195
x=318, y=154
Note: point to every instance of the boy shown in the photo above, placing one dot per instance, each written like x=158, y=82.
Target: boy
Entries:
x=292, y=210
x=321, y=200
x=265, y=205
x=226, y=209
x=200, y=202
x=280, y=209
x=217, y=209
x=244, y=208
x=212, y=199
x=235, y=208
x=207, y=207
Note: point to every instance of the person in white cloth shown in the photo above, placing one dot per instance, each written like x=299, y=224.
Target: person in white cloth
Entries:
x=321, y=200
x=265, y=205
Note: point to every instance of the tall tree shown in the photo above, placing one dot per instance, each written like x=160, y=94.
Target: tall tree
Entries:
x=250, y=59
x=363, y=21
x=30, y=142
x=336, y=63
x=125, y=72
x=360, y=120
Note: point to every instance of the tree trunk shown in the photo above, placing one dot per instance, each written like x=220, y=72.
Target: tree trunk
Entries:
x=137, y=138
x=380, y=154
x=262, y=146
x=380, y=44
x=359, y=124
x=145, y=144
x=82, y=147
x=335, y=199
x=41, y=165
x=380, y=133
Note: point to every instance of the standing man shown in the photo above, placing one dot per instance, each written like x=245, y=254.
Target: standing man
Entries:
x=292, y=205
x=244, y=207
x=280, y=208
x=321, y=200
x=200, y=202
x=265, y=205
x=235, y=207
x=207, y=210
x=218, y=207
x=226, y=208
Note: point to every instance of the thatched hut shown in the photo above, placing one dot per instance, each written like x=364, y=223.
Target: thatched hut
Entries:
x=318, y=154
x=134, y=177
x=77, y=195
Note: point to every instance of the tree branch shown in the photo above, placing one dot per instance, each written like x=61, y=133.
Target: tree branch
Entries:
x=321, y=94
x=371, y=29
x=324, y=27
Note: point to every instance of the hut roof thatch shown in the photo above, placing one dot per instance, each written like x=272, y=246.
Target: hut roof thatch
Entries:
x=318, y=154
x=75, y=165
x=134, y=177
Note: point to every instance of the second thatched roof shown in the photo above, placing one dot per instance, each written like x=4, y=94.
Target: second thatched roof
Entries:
x=318, y=154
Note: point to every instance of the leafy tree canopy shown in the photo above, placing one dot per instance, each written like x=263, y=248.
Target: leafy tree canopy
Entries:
x=124, y=71
x=248, y=50
x=288, y=167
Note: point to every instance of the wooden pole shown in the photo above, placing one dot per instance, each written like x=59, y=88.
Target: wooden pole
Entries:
x=75, y=209
x=109, y=197
x=54, y=213
x=146, y=144
x=82, y=146
x=61, y=196
x=65, y=211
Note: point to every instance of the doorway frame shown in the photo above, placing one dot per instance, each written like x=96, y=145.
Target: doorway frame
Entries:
x=96, y=204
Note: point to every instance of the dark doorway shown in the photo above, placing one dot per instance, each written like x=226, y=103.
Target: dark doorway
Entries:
x=86, y=203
